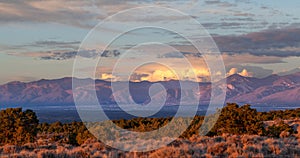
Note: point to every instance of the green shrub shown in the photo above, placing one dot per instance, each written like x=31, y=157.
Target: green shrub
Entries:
x=237, y=120
x=17, y=126
x=276, y=129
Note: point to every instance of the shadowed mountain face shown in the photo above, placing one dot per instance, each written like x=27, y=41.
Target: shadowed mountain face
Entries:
x=281, y=90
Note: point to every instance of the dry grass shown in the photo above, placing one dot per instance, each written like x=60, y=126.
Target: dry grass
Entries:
x=197, y=146
x=221, y=146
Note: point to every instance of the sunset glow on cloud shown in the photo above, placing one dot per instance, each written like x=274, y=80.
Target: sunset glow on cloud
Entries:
x=157, y=72
x=255, y=38
x=244, y=72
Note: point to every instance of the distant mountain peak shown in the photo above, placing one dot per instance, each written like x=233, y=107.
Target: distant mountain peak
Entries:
x=238, y=78
x=240, y=89
x=15, y=82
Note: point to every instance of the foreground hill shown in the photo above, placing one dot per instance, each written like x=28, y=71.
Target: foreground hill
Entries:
x=273, y=90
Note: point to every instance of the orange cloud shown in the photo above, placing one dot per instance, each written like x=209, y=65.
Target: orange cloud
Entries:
x=232, y=71
x=109, y=77
x=244, y=72
x=163, y=73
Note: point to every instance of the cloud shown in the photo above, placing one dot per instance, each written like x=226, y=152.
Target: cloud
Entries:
x=233, y=59
x=272, y=43
x=85, y=14
x=192, y=54
x=161, y=75
x=244, y=72
x=232, y=71
x=68, y=55
x=243, y=14
x=248, y=71
x=64, y=12
x=65, y=55
x=137, y=77
x=296, y=70
x=157, y=72
x=278, y=42
x=239, y=19
x=283, y=42
x=233, y=24
x=198, y=75
x=154, y=72
x=179, y=55
x=42, y=45
x=110, y=53
x=55, y=44
x=220, y=3
x=108, y=77
x=177, y=68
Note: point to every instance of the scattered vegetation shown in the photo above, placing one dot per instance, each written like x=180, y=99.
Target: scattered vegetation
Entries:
x=238, y=120
x=280, y=114
x=17, y=126
x=196, y=146
x=239, y=131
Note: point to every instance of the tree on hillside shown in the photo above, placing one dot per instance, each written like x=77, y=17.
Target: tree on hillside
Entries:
x=17, y=126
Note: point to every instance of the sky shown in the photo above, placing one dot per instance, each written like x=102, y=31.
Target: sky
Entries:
x=42, y=39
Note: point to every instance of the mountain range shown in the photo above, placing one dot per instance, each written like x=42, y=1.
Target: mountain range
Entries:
x=272, y=90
